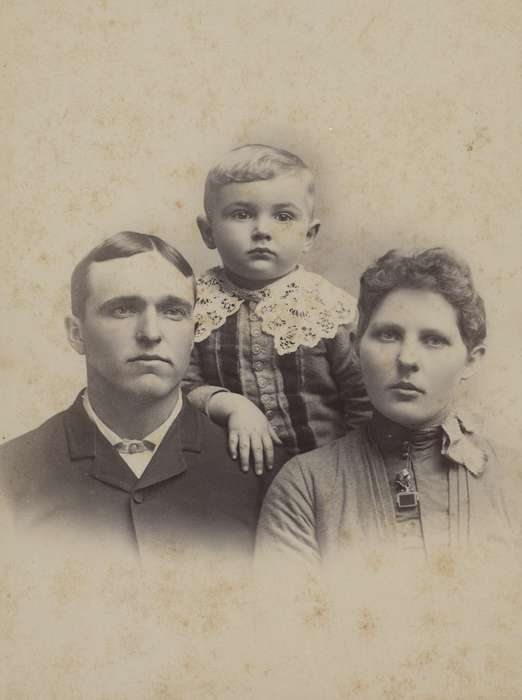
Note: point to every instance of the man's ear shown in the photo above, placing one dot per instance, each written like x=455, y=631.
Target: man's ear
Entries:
x=311, y=235
x=475, y=357
x=74, y=330
x=206, y=232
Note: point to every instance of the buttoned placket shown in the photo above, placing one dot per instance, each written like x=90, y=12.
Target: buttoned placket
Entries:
x=410, y=528
x=408, y=521
x=261, y=348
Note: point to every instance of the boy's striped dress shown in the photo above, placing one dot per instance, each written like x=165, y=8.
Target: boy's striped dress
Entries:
x=287, y=348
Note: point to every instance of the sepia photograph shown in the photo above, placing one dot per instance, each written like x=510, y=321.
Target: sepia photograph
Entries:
x=260, y=356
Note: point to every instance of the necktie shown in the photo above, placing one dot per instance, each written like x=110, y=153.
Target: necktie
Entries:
x=131, y=447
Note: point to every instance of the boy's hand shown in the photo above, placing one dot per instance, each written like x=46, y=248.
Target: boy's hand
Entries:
x=249, y=431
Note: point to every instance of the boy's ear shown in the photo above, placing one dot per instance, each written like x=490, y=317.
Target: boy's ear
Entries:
x=206, y=232
x=311, y=235
x=474, y=361
x=74, y=330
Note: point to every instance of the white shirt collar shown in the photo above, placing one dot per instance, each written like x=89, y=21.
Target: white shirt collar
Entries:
x=155, y=437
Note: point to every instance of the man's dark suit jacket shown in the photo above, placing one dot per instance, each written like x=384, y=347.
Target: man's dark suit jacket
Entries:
x=64, y=478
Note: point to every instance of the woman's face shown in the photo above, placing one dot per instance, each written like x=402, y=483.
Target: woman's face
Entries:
x=413, y=357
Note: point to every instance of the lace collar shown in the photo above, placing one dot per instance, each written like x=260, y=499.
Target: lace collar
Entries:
x=453, y=436
x=299, y=309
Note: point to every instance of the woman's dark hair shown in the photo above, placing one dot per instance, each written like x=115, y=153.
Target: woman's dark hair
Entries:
x=434, y=269
x=121, y=245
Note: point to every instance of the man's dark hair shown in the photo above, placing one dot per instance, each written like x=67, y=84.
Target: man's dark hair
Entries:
x=436, y=270
x=122, y=245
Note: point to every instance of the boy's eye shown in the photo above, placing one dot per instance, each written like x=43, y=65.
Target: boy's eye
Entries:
x=240, y=215
x=284, y=216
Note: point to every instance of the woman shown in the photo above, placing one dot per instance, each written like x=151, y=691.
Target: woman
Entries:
x=418, y=475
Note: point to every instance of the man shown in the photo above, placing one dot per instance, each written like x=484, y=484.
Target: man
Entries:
x=130, y=460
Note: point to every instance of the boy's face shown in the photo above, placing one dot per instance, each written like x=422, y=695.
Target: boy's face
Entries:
x=261, y=228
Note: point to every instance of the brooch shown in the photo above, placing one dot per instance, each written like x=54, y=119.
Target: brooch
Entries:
x=407, y=495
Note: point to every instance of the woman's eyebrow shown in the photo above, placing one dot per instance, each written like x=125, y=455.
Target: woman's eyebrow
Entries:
x=386, y=324
x=435, y=331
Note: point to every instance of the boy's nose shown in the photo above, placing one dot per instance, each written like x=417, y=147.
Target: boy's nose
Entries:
x=261, y=235
x=261, y=228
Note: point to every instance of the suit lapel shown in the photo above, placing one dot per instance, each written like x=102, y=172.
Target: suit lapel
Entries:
x=109, y=467
x=86, y=442
x=169, y=460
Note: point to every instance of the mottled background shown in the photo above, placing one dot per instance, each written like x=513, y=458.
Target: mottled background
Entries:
x=409, y=112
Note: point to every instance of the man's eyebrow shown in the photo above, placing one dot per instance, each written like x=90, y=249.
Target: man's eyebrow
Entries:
x=114, y=301
x=134, y=300
x=173, y=299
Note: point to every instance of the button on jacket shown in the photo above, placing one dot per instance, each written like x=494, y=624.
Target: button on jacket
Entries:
x=65, y=479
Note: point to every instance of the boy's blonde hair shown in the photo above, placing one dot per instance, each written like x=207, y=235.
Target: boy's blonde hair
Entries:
x=250, y=163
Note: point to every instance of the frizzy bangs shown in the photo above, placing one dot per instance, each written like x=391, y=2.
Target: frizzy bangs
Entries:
x=438, y=270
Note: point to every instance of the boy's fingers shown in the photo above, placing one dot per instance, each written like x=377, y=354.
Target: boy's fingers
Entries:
x=244, y=451
x=269, y=450
x=233, y=438
x=257, y=452
x=275, y=437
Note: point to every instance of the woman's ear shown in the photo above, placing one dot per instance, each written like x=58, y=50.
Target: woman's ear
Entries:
x=355, y=346
x=74, y=330
x=475, y=357
x=205, y=229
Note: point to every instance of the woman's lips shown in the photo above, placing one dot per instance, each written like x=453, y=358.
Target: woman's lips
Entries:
x=406, y=389
x=406, y=385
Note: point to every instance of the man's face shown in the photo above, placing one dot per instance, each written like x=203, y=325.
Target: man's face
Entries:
x=261, y=228
x=413, y=357
x=137, y=331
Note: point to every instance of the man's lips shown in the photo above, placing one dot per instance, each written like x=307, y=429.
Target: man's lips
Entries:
x=406, y=386
x=149, y=358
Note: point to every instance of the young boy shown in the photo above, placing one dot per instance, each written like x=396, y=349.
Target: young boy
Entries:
x=273, y=357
